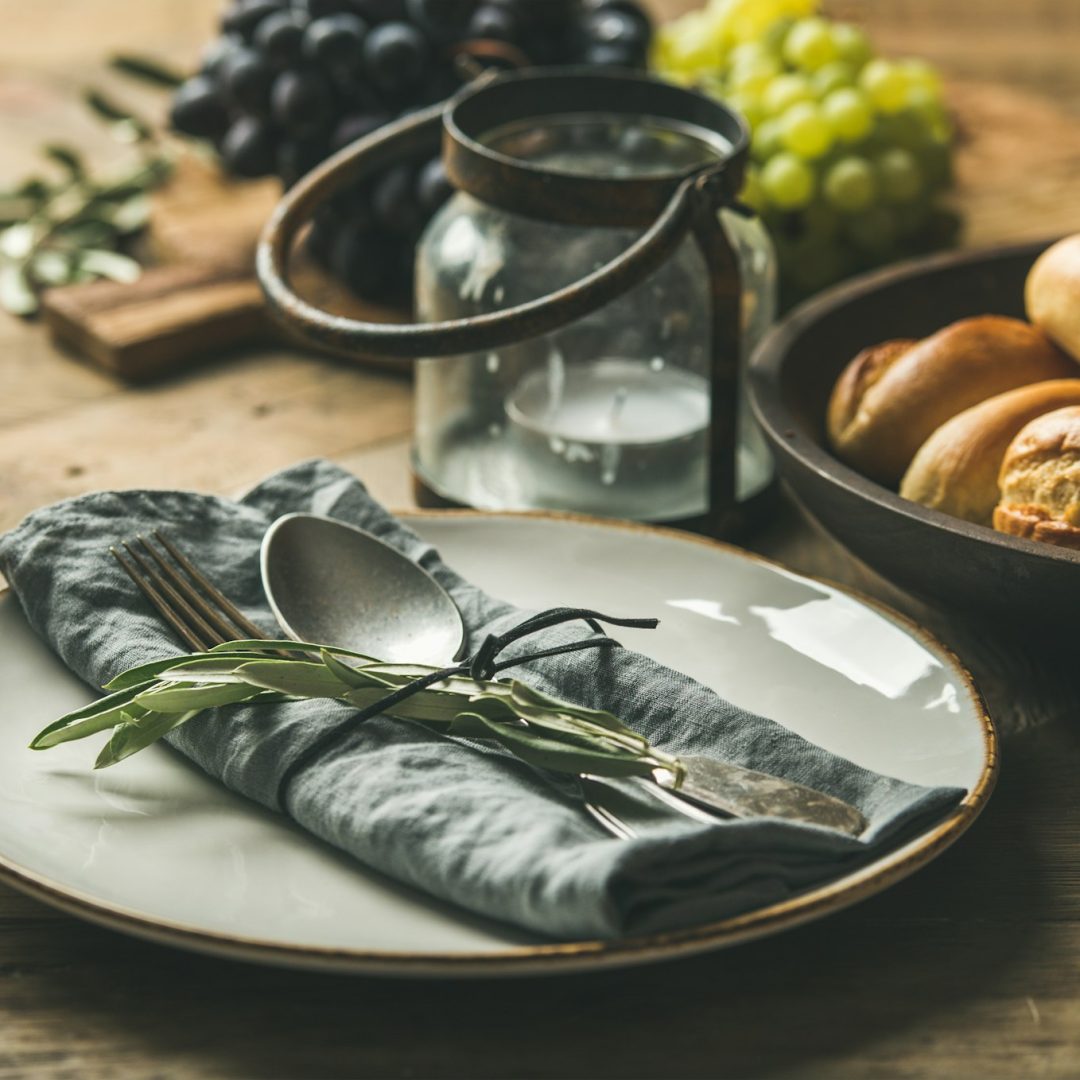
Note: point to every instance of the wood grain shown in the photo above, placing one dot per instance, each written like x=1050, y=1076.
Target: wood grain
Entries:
x=172, y=317
x=263, y=411
x=968, y=969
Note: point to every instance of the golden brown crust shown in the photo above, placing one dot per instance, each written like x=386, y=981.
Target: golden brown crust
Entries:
x=1053, y=433
x=884, y=408
x=1033, y=523
x=956, y=469
x=1040, y=481
x=1052, y=294
x=856, y=379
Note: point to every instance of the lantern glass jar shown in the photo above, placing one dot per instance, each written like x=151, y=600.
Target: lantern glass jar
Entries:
x=609, y=414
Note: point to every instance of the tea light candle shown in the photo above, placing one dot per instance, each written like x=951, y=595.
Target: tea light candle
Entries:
x=612, y=436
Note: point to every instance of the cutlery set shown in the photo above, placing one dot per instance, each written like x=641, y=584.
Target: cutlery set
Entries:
x=333, y=583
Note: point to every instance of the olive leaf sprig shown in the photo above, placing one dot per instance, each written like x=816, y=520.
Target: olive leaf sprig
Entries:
x=56, y=230
x=147, y=702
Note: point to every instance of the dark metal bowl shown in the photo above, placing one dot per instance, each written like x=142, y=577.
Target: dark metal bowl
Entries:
x=953, y=564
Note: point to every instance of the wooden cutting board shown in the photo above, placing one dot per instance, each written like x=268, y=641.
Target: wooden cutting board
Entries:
x=199, y=294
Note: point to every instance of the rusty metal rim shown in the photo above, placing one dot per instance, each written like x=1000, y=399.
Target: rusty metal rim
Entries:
x=711, y=184
x=552, y=194
x=336, y=333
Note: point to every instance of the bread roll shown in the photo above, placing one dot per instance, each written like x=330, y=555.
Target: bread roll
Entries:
x=956, y=469
x=1052, y=294
x=891, y=397
x=1040, y=481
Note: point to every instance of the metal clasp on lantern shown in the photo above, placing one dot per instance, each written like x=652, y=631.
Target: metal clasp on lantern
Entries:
x=669, y=208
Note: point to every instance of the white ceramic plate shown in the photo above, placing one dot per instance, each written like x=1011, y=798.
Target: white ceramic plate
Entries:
x=155, y=848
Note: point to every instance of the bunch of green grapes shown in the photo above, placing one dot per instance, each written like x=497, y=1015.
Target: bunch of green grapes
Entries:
x=850, y=152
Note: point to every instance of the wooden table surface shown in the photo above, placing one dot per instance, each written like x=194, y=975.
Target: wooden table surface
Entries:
x=970, y=968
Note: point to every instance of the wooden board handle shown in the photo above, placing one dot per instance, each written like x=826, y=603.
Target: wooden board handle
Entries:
x=179, y=315
x=172, y=316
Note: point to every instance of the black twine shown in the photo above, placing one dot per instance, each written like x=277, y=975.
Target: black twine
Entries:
x=483, y=666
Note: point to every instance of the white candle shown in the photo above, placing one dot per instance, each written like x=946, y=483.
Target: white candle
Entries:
x=625, y=402
x=612, y=436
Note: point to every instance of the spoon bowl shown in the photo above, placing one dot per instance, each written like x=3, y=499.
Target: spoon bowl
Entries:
x=332, y=583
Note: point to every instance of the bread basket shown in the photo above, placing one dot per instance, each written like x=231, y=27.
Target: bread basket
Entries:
x=953, y=564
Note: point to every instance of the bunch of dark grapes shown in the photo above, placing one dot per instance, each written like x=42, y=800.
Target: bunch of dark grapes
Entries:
x=290, y=81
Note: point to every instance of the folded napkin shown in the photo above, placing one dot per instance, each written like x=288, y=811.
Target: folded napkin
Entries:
x=460, y=821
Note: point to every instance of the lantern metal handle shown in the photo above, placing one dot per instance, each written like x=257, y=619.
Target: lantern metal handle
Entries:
x=408, y=138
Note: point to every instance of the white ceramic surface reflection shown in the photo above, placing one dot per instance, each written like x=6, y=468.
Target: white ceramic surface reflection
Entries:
x=155, y=848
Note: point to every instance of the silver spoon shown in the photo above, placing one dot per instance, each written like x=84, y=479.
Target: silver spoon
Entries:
x=331, y=582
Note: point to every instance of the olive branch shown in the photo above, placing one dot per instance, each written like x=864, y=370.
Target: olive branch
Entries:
x=74, y=227
x=147, y=702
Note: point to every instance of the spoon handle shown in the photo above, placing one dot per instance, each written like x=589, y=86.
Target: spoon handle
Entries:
x=713, y=788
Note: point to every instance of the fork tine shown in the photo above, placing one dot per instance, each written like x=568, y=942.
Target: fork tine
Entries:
x=198, y=602
x=215, y=594
x=179, y=604
x=159, y=602
x=614, y=825
x=191, y=614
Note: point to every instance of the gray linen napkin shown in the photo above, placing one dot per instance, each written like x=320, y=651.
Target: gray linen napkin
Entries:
x=470, y=825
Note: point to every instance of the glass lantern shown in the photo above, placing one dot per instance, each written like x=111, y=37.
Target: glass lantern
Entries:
x=604, y=288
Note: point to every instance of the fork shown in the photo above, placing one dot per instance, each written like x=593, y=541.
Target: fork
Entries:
x=203, y=616
x=201, y=619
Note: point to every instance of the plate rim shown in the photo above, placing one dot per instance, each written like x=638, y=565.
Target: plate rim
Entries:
x=559, y=957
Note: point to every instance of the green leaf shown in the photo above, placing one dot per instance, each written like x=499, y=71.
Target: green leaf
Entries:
x=150, y=174
x=350, y=676
x=97, y=716
x=125, y=124
x=111, y=265
x=399, y=674
x=527, y=698
x=132, y=214
x=180, y=698
x=17, y=241
x=558, y=722
x=263, y=645
x=16, y=295
x=147, y=69
x=554, y=734
x=138, y=733
x=576, y=732
x=200, y=672
x=424, y=706
x=90, y=726
x=67, y=157
x=86, y=233
x=52, y=267
x=550, y=753
x=106, y=200
x=158, y=170
x=297, y=678
x=34, y=188
x=188, y=661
